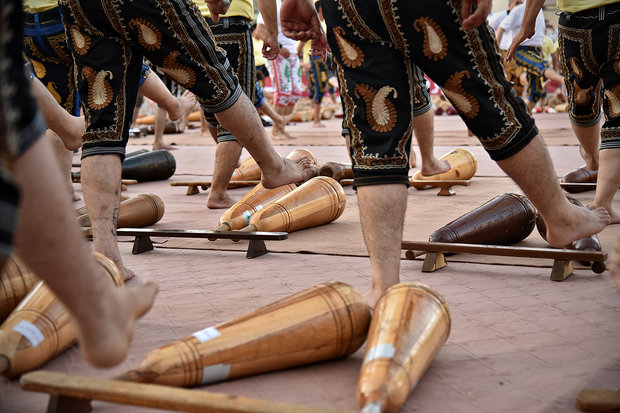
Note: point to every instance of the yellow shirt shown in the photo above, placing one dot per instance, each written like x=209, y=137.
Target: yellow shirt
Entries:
x=573, y=6
x=259, y=59
x=240, y=8
x=38, y=6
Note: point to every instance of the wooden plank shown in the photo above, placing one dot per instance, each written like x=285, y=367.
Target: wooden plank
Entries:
x=598, y=400
x=444, y=185
x=192, y=187
x=256, y=247
x=509, y=251
x=154, y=396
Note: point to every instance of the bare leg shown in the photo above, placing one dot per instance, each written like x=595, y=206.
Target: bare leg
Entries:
x=608, y=181
x=68, y=127
x=553, y=75
x=101, y=187
x=532, y=169
x=278, y=134
x=155, y=89
x=160, y=126
x=589, y=141
x=424, y=130
x=53, y=247
x=316, y=109
x=276, y=170
x=226, y=160
x=65, y=160
x=382, y=215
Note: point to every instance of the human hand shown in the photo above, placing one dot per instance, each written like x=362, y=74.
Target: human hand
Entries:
x=217, y=7
x=300, y=21
x=524, y=34
x=474, y=13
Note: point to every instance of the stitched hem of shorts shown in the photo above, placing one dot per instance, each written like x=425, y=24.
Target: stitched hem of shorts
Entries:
x=423, y=110
x=103, y=150
x=585, y=124
x=380, y=180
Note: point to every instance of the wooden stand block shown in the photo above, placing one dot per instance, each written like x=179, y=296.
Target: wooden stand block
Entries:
x=598, y=400
x=562, y=264
x=562, y=269
x=71, y=394
x=256, y=247
x=433, y=261
x=445, y=187
x=192, y=187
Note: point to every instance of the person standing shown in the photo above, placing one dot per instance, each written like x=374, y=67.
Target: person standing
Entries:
x=589, y=54
x=450, y=43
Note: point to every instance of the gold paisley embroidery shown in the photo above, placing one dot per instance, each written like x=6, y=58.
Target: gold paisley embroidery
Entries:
x=181, y=74
x=380, y=112
x=39, y=68
x=99, y=89
x=81, y=41
x=435, y=41
x=52, y=88
x=148, y=35
x=351, y=55
x=582, y=96
x=613, y=99
x=574, y=64
x=464, y=102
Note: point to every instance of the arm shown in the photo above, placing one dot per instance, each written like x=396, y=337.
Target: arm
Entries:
x=474, y=13
x=499, y=34
x=532, y=7
x=269, y=34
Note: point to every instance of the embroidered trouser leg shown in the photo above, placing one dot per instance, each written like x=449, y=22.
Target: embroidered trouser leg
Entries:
x=375, y=46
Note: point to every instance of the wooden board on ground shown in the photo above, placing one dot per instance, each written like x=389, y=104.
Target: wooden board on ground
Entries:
x=562, y=265
x=204, y=185
x=256, y=247
x=72, y=394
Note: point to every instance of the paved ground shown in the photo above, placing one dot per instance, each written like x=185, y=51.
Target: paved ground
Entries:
x=519, y=342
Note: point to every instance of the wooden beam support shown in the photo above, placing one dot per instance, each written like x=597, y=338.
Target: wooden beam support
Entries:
x=75, y=391
x=562, y=265
x=445, y=186
x=192, y=187
x=256, y=247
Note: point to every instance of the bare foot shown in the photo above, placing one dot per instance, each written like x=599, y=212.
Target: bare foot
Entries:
x=217, y=202
x=289, y=172
x=127, y=273
x=615, y=217
x=279, y=135
x=184, y=104
x=578, y=222
x=157, y=146
x=106, y=342
x=318, y=125
x=75, y=196
x=590, y=159
x=437, y=167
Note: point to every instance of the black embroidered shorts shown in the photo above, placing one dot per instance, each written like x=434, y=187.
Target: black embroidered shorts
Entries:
x=234, y=35
x=589, y=49
x=375, y=46
x=108, y=41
